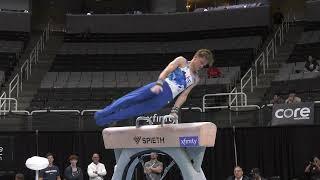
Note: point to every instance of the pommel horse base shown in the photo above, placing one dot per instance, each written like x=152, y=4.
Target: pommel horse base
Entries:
x=185, y=143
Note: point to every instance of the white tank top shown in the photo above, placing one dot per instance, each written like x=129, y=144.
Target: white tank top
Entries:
x=179, y=80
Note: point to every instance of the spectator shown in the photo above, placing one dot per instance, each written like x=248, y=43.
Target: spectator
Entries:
x=277, y=17
x=238, y=174
x=19, y=176
x=276, y=100
x=292, y=98
x=311, y=65
x=153, y=168
x=96, y=170
x=51, y=172
x=313, y=169
x=213, y=72
x=255, y=173
x=73, y=172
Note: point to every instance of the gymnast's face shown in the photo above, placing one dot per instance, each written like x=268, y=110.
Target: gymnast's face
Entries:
x=199, y=62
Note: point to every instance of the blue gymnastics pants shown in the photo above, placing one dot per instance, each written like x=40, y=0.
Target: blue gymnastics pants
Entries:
x=138, y=102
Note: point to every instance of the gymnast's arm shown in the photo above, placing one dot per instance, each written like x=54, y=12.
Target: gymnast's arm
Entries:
x=177, y=62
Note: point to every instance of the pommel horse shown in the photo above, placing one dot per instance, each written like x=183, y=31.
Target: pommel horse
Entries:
x=185, y=143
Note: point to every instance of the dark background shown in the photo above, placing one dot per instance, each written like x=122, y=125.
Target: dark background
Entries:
x=279, y=151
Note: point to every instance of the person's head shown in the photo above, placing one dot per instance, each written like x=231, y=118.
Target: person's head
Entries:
x=50, y=158
x=238, y=173
x=202, y=58
x=292, y=95
x=95, y=158
x=316, y=160
x=19, y=176
x=310, y=59
x=255, y=172
x=153, y=155
x=73, y=159
x=276, y=97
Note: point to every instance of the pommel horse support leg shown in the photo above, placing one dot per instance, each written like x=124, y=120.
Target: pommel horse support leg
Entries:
x=185, y=143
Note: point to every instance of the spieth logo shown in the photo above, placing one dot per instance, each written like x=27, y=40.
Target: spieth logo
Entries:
x=149, y=140
x=1, y=151
x=189, y=141
x=297, y=114
x=137, y=139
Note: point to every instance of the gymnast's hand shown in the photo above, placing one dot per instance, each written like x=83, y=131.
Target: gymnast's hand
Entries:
x=156, y=89
x=174, y=115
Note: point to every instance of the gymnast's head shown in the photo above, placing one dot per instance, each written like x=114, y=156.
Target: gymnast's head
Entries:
x=202, y=58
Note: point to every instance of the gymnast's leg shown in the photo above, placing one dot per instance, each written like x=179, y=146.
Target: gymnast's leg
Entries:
x=152, y=104
x=134, y=97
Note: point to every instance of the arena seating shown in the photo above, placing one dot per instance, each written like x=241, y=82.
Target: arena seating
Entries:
x=312, y=26
x=12, y=44
x=83, y=90
x=292, y=78
x=9, y=55
x=166, y=37
x=14, y=36
x=309, y=44
x=139, y=62
x=91, y=70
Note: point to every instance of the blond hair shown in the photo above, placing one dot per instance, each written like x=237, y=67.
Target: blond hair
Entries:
x=207, y=54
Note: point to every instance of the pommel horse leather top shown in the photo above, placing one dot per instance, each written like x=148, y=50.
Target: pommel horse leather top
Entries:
x=200, y=134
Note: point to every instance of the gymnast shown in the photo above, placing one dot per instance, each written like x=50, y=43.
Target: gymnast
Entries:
x=178, y=78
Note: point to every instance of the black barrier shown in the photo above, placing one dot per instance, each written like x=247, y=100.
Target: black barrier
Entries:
x=277, y=151
x=157, y=23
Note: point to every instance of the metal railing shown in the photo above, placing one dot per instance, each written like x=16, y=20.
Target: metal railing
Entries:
x=183, y=108
x=265, y=56
x=205, y=99
x=192, y=108
x=55, y=111
x=3, y=104
x=247, y=77
x=235, y=99
x=270, y=49
x=16, y=84
x=259, y=62
x=14, y=87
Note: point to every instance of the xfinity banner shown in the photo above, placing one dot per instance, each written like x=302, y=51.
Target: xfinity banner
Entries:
x=298, y=113
x=157, y=117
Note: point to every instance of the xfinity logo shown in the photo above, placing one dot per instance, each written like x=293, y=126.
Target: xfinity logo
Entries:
x=149, y=140
x=156, y=118
x=297, y=113
x=1, y=151
x=189, y=141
